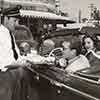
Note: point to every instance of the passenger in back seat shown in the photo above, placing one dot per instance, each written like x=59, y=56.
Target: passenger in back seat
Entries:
x=90, y=46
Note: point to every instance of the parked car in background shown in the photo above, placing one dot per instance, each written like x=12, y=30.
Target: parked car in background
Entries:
x=24, y=38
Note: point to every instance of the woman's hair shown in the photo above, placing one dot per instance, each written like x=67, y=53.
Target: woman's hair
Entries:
x=93, y=38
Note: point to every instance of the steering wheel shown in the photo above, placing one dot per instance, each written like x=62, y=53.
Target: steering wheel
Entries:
x=55, y=50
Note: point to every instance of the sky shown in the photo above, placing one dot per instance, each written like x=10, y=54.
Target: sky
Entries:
x=73, y=6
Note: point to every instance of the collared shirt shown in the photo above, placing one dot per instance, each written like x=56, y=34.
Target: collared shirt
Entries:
x=77, y=63
x=6, y=53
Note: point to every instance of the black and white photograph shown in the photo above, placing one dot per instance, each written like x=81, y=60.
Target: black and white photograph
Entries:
x=49, y=49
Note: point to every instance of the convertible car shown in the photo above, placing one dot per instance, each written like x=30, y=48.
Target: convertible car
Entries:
x=48, y=81
x=54, y=83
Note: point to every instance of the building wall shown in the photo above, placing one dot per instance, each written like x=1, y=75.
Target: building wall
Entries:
x=38, y=5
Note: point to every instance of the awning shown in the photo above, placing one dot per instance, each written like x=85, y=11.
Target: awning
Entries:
x=45, y=15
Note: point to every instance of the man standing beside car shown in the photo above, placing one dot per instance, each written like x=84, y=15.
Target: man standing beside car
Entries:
x=8, y=49
x=72, y=52
x=10, y=80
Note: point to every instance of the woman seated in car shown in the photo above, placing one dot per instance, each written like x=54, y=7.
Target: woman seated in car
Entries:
x=90, y=46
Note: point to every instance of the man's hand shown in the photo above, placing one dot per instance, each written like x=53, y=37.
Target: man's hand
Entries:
x=49, y=60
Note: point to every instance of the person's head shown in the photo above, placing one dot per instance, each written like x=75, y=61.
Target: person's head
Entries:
x=71, y=48
x=24, y=48
x=90, y=42
x=10, y=17
x=49, y=43
x=48, y=46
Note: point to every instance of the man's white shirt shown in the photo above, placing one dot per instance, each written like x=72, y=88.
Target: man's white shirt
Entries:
x=78, y=63
x=6, y=52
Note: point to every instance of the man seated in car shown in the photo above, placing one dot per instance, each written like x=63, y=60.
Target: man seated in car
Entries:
x=72, y=52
